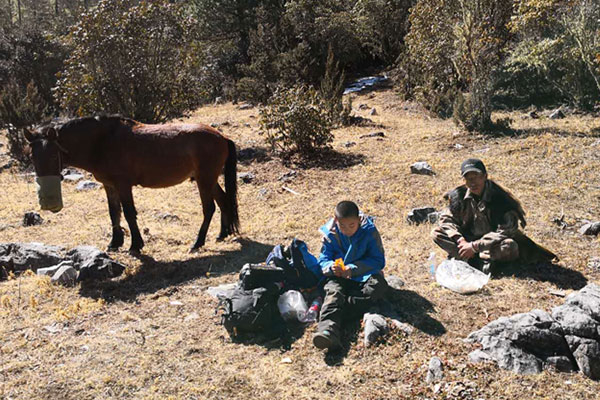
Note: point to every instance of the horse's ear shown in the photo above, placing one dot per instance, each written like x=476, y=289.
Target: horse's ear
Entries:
x=51, y=134
x=28, y=135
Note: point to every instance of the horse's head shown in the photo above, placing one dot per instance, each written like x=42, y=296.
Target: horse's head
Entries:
x=47, y=155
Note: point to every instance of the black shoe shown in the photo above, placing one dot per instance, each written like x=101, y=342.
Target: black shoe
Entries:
x=325, y=340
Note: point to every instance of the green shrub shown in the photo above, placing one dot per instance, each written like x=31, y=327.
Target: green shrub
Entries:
x=295, y=121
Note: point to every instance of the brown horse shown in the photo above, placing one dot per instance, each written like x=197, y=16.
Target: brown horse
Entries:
x=121, y=153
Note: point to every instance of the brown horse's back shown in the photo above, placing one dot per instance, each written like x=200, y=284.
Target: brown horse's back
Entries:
x=165, y=155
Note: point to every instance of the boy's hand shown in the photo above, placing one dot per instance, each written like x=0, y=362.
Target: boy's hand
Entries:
x=341, y=272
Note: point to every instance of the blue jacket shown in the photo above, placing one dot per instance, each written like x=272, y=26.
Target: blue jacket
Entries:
x=362, y=252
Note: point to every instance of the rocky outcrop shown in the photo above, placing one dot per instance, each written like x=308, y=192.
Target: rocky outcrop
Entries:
x=568, y=338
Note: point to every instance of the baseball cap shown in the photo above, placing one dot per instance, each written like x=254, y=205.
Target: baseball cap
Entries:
x=472, y=165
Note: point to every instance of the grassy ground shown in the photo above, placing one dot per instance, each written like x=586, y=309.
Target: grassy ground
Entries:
x=124, y=339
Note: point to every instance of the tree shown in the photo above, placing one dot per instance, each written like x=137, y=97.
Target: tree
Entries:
x=139, y=60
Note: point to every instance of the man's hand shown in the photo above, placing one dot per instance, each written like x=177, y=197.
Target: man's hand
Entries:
x=340, y=272
x=465, y=249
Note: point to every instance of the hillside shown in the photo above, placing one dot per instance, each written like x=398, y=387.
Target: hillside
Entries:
x=123, y=339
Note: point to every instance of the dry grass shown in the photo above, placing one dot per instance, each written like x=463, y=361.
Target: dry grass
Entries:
x=124, y=339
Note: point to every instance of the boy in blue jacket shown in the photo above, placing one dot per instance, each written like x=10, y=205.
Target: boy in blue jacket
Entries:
x=352, y=288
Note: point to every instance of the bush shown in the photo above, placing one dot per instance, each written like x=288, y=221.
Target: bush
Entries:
x=295, y=121
x=20, y=108
x=133, y=58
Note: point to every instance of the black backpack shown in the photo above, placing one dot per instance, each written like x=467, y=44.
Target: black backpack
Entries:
x=291, y=261
x=253, y=276
x=251, y=311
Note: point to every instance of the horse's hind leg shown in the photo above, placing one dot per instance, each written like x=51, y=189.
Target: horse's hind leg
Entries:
x=208, y=209
x=137, y=243
x=114, y=209
x=219, y=196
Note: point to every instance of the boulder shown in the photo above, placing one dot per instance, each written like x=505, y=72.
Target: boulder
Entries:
x=557, y=114
x=23, y=256
x=50, y=271
x=93, y=263
x=373, y=134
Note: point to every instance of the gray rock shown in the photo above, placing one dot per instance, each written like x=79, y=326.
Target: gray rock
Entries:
x=165, y=216
x=417, y=216
x=435, y=370
x=592, y=229
x=587, y=355
x=246, y=177
x=263, y=193
x=561, y=363
x=375, y=327
x=87, y=185
x=373, y=111
x=533, y=115
x=363, y=106
x=50, y=271
x=394, y=281
x=73, y=177
x=594, y=263
x=288, y=176
x=32, y=218
x=65, y=275
x=219, y=100
x=557, y=114
x=576, y=322
x=221, y=290
x=23, y=256
x=402, y=326
x=94, y=264
x=373, y=134
x=421, y=168
x=349, y=144
x=478, y=356
x=521, y=343
x=246, y=154
x=245, y=106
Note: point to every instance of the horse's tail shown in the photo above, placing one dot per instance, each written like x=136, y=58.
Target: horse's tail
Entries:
x=231, y=188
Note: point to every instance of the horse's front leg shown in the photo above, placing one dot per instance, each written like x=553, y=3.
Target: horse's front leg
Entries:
x=137, y=243
x=114, y=209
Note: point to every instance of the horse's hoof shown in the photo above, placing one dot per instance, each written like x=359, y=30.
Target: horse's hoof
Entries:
x=196, y=250
x=220, y=239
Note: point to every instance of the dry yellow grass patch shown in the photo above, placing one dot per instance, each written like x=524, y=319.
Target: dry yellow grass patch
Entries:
x=124, y=339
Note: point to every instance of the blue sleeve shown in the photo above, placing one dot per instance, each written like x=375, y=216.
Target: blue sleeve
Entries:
x=329, y=253
x=373, y=259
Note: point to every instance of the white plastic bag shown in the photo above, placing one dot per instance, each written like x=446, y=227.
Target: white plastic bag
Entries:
x=291, y=305
x=460, y=277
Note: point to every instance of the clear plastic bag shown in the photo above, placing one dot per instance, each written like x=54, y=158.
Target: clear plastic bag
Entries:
x=460, y=277
x=291, y=305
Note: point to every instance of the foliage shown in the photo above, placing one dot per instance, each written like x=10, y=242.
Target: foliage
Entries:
x=332, y=89
x=139, y=60
x=457, y=46
x=559, y=41
x=18, y=109
x=295, y=121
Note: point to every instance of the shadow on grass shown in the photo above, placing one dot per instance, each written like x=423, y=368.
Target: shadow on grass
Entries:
x=255, y=153
x=281, y=340
x=156, y=275
x=563, y=278
x=326, y=159
x=595, y=133
x=403, y=305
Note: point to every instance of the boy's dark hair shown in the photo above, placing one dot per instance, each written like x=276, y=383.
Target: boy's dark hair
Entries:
x=346, y=209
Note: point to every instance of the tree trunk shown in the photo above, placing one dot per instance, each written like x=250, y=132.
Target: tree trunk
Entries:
x=56, y=7
x=19, y=10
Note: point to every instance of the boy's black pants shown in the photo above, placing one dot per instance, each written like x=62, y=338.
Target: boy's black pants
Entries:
x=348, y=299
